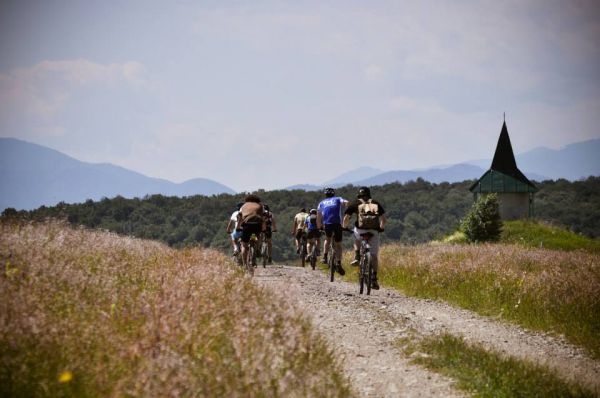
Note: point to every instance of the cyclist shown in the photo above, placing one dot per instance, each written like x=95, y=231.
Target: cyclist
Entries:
x=329, y=217
x=313, y=234
x=270, y=228
x=370, y=219
x=298, y=227
x=250, y=221
x=232, y=230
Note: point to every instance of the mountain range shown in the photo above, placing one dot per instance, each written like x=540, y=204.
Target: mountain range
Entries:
x=572, y=162
x=32, y=175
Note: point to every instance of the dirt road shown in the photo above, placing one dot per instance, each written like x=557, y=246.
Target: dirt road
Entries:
x=364, y=331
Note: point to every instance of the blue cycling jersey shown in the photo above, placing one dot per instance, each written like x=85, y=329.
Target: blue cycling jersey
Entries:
x=310, y=225
x=331, y=210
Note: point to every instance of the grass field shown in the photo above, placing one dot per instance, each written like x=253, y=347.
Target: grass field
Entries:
x=489, y=374
x=537, y=234
x=549, y=290
x=88, y=313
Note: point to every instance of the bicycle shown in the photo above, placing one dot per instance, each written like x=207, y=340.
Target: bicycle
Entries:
x=314, y=253
x=251, y=257
x=365, y=272
x=237, y=254
x=332, y=260
x=303, y=251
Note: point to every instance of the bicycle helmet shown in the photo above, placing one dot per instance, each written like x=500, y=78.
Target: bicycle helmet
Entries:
x=313, y=211
x=303, y=210
x=364, y=192
x=266, y=207
x=329, y=192
x=239, y=205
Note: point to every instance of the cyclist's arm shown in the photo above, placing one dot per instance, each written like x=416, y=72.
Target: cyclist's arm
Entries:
x=239, y=220
x=294, y=227
x=382, y=221
x=273, y=225
x=319, y=220
x=346, y=220
x=230, y=226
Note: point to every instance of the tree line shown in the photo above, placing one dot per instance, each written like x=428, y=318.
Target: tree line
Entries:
x=417, y=211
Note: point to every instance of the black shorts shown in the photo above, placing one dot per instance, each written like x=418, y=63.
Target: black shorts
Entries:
x=268, y=233
x=315, y=234
x=250, y=228
x=299, y=234
x=335, y=230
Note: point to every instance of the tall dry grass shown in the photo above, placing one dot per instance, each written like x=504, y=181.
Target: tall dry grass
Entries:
x=87, y=313
x=543, y=289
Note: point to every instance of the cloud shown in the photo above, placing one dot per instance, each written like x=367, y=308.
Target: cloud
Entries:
x=43, y=89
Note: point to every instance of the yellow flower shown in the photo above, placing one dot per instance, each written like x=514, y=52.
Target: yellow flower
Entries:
x=65, y=377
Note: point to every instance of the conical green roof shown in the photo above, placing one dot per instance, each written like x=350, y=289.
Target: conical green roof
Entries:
x=504, y=163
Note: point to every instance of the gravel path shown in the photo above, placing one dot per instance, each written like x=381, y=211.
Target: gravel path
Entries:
x=363, y=330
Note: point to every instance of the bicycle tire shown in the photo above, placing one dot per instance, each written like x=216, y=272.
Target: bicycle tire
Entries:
x=331, y=264
x=264, y=253
x=313, y=258
x=369, y=270
x=361, y=276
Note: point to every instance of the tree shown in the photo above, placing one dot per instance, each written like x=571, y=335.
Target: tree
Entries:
x=483, y=222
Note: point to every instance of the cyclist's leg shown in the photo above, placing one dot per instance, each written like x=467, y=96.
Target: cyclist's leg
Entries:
x=328, y=238
x=246, y=233
x=357, y=243
x=337, y=237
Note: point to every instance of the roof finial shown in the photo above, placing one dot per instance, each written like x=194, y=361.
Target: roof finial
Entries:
x=504, y=117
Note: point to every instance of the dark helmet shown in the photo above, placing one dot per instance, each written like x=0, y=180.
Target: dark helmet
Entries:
x=239, y=205
x=266, y=207
x=313, y=211
x=364, y=192
x=303, y=210
x=252, y=198
x=329, y=192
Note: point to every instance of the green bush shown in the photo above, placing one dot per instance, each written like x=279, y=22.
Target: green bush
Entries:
x=482, y=223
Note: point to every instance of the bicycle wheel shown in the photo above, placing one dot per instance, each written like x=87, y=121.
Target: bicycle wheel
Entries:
x=331, y=264
x=369, y=272
x=313, y=258
x=303, y=253
x=361, y=275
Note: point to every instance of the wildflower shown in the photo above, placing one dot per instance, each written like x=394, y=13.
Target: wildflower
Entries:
x=65, y=377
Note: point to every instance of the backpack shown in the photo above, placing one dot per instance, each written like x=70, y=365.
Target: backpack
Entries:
x=368, y=215
x=252, y=213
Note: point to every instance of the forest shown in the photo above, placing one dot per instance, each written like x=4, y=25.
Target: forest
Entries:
x=417, y=211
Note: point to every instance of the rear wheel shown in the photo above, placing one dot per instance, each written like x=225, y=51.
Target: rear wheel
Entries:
x=361, y=276
x=331, y=265
x=313, y=258
x=369, y=272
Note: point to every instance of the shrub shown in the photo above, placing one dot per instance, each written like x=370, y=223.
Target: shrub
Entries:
x=482, y=223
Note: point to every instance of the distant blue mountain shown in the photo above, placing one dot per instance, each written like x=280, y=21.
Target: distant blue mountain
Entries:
x=575, y=161
x=33, y=175
x=459, y=172
x=361, y=173
x=572, y=162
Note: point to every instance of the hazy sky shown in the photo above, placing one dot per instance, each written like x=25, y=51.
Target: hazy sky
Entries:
x=270, y=94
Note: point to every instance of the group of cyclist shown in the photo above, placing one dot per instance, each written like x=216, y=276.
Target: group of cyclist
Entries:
x=251, y=218
x=332, y=215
